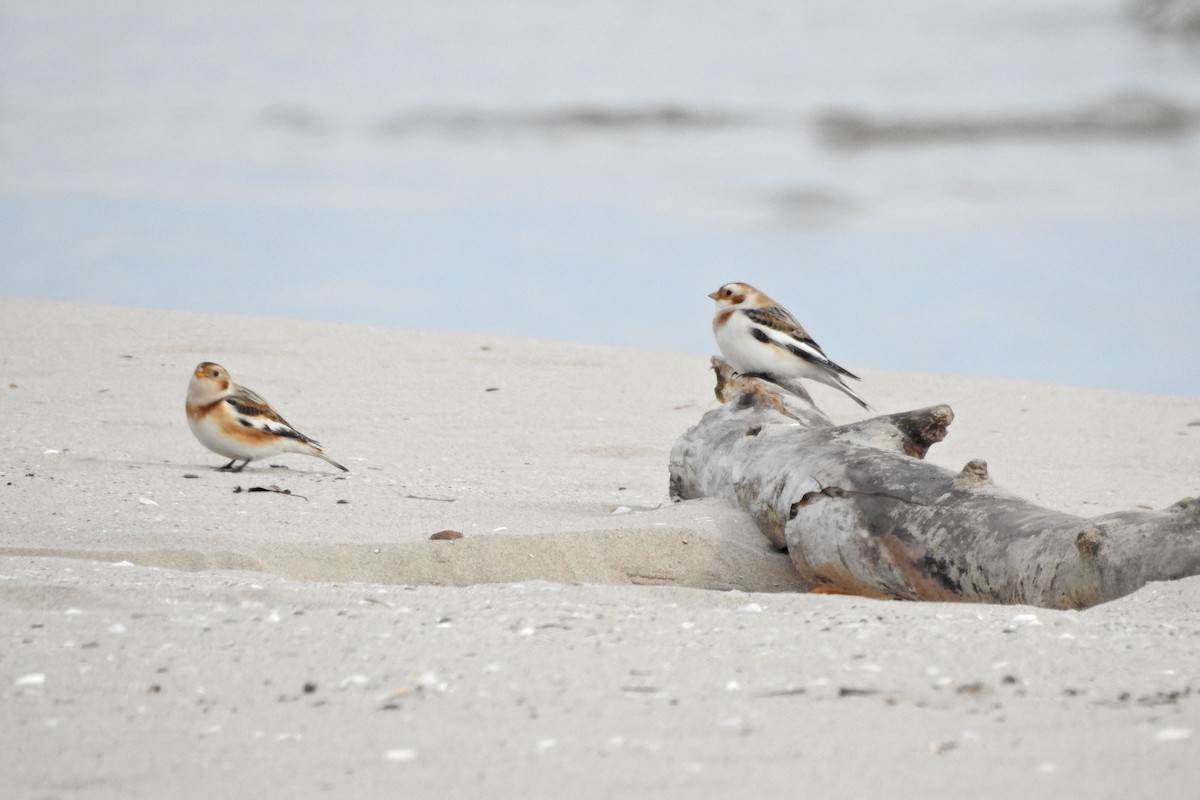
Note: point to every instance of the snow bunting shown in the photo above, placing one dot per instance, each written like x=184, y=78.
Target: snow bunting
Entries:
x=235, y=422
x=759, y=337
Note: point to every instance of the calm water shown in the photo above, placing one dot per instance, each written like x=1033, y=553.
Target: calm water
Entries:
x=1007, y=189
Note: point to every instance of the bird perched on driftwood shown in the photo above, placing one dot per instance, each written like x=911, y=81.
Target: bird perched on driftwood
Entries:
x=760, y=338
x=235, y=422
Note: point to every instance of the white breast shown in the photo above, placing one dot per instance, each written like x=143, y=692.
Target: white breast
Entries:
x=208, y=430
x=748, y=355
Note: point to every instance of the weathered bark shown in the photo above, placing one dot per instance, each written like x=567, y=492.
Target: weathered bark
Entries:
x=860, y=512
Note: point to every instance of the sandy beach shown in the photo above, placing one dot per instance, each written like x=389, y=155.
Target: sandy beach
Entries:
x=170, y=633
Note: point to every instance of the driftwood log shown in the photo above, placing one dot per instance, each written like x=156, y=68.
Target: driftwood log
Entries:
x=860, y=512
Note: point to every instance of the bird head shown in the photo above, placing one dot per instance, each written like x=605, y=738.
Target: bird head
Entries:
x=209, y=381
x=732, y=295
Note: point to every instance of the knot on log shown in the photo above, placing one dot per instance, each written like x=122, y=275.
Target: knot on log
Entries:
x=1188, y=505
x=923, y=429
x=973, y=476
x=753, y=391
x=808, y=498
x=910, y=432
x=676, y=487
x=751, y=396
x=1089, y=541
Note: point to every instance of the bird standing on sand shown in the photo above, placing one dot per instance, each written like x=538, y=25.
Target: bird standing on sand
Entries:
x=235, y=422
x=759, y=337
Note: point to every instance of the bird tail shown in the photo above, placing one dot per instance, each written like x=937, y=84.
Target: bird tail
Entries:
x=853, y=395
x=319, y=453
x=311, y=448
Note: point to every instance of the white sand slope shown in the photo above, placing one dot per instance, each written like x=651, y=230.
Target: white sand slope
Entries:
x=166, y=636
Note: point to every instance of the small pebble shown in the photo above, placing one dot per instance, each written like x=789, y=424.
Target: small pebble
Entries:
x=430, y=680
x=400, y=754
x=353, y=680
x=1172, y=734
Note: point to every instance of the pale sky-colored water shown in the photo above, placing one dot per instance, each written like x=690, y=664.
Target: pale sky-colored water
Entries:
x=1006, y=189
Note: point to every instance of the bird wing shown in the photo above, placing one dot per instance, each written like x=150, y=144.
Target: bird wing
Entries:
x=775, y=326
x=778, y=318
x=253, y=411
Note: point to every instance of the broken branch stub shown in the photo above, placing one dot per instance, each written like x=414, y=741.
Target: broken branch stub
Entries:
x=860, y=512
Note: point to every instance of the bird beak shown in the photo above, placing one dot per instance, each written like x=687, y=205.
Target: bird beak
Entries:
x=716, y=295
x=199, y=373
